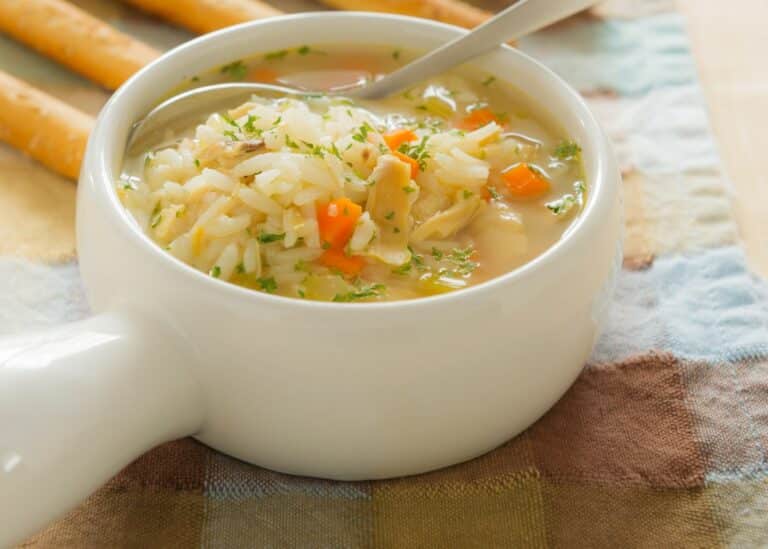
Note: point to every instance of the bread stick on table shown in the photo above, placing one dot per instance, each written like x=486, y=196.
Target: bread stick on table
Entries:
x=42, y=126
x=203, y=16
x=454, y=12
x=76, y=39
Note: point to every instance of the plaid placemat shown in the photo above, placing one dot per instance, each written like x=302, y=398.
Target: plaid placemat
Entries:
x=660, y=443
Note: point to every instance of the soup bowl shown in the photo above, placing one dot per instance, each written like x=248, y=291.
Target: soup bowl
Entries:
x=342, y=391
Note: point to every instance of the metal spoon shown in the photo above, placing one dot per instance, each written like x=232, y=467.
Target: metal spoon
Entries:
x=521, y=18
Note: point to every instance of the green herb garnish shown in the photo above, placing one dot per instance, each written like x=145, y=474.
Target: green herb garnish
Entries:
x=266, y=238
x=488, y=81
x=236, y=70
x=461, y=260
x=390, y=216
x=363, y=292
x=362, y=132
x=274, y=55
x=418, y=151
x=240, y=269
x=215, y=272
x=269, y=285
x=467, y=194
x=567, y=150
x=567, y=202
x=248, y=126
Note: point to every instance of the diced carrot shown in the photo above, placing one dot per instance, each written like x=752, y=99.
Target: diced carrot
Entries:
x=523, y=182
x=336, y=221
x=410, y=161
x=396, y=138
x=263, y=74
x=477, y=119
x=347, y=264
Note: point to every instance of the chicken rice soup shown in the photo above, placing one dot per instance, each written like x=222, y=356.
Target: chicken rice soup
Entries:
x=320, y=197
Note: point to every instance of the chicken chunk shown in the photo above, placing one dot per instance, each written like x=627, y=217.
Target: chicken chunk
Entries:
x=389, y=205
x=448, y=222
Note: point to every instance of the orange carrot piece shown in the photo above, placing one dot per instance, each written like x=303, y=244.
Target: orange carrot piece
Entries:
x=336, y=221
x=410, y=161
x=350, y=265
x=263, y=74
x=396, y=138
x=523, y=182
x=477, y=119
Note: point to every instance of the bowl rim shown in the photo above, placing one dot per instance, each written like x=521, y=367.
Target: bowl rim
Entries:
x=599, y=181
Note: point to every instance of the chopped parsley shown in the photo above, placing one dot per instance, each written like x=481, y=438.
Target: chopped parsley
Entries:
x=461, y=261
x=290, y=142
x=229, y=121
x=567, y=150
x=197, y=162
x=437, y=254
x=409, y=189
x=181, y=212
x=303, y=50
x=362, y=133
x=275, y=55
x=269, y=285
x=315, y=150
x=467, y=194
x=335, y=151
x=488, y=81
x=418, y=151
x=236, y=70
x=148, y=159
x=248, y=125
x=396, y=55
x=232, y=135
x=266, y=238
x=362, y=292
x=390, y=216
x=240, y=269
x=567, y=202
x=416, y=261
x=155, y=217
x=301, y=266
x=215, y=272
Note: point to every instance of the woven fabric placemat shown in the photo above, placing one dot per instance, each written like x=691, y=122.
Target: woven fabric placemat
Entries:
x=662, y=441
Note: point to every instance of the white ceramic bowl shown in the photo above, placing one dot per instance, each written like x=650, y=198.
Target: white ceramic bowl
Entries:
x=341, y=391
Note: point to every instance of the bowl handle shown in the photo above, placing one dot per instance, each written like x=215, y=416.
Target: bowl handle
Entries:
x=81, y=401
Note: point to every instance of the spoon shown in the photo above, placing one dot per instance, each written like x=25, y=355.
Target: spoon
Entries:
x=521, y=18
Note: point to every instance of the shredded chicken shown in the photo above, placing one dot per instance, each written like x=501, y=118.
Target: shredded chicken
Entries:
x=389, y=205
x=448, y=222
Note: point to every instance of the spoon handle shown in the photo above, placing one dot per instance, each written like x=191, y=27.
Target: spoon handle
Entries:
x=521, y=18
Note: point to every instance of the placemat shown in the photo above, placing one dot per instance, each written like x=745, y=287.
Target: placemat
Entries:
x=661, y=441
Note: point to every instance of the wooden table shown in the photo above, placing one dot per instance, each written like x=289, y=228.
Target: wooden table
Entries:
x=729, y=44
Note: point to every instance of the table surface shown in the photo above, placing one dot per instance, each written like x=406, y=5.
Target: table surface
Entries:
x=729, y=48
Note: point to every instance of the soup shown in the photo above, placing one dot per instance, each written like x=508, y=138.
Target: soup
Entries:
x=320, y=197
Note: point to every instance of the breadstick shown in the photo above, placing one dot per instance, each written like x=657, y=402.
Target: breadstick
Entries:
x=203, y=16
x=42, y=126
x=76, y=39
x=454, y=12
